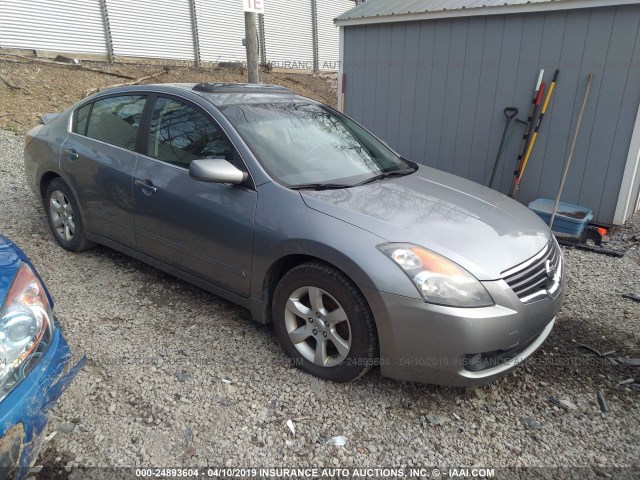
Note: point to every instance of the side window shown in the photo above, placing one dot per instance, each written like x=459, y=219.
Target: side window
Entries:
x=80, y=124
x=116, y=120
x=179, y=134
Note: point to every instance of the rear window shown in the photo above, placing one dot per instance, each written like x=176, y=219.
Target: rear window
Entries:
x=82, y=114
x=116, y=120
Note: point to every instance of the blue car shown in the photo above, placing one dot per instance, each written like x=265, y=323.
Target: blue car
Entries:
x=34, y=360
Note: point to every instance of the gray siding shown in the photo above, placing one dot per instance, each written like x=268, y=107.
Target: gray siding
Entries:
x=435, y=91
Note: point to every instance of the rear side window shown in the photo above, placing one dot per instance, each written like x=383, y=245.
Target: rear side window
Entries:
x=116, y=120
x=82, y=115
x=180, y=133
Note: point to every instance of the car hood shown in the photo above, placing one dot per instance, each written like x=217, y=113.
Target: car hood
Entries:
x=480, y=229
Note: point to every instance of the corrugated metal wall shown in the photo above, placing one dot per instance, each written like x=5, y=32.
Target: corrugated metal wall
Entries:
x=328, y=33
x=151, y=28
x=221, y=30
x=63, y=26
x=436, y=90
x=288, y=32
x=163, y=29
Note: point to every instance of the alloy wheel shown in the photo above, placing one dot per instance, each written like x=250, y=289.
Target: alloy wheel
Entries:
x=62, y=216
x=318, y=326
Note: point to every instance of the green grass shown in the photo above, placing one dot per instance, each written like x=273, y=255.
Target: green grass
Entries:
x=13, y=129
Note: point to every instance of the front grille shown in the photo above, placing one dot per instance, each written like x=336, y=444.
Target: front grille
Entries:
x=538, y=276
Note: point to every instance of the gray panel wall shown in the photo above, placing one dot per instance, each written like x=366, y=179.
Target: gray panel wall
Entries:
x=436, y=90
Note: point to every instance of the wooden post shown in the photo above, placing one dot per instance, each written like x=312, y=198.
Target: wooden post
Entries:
x=251, y=41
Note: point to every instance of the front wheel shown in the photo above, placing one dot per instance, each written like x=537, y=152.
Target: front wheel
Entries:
x=324, y=323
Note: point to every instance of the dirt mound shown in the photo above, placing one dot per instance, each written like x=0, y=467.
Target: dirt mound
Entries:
x=30, y=87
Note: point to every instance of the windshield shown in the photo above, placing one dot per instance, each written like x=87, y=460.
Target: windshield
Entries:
x=308, y=144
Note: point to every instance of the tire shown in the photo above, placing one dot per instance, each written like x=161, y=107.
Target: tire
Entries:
x=337, y=340
x=64, y=217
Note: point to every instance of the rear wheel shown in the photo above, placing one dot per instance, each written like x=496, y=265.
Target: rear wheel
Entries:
x=324, y=323
x=64, y=217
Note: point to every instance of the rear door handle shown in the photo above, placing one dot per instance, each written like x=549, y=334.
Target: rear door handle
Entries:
x=71, y=153
x=146, y=185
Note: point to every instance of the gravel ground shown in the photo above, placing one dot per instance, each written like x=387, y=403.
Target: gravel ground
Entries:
x=179, y=377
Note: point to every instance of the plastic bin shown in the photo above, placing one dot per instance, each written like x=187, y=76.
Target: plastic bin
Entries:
x=570, y=219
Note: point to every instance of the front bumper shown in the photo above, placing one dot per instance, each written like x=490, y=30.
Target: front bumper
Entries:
x=429, y=343
x=23, y=413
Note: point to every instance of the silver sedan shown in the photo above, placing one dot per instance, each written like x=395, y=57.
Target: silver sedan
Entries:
x=358, y=256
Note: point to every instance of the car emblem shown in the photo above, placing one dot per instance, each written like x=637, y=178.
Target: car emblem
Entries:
x=550, y=270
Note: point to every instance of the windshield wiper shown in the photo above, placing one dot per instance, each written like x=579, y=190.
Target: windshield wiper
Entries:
x=319, y=186
x=336, y=186
x=382, y=176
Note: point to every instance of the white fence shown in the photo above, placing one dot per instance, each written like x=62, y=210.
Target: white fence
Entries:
x=295, y=33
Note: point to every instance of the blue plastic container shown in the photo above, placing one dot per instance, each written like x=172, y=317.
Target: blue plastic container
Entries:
x=570, y=219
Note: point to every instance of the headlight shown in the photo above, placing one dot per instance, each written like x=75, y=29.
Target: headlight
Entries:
x=26, y=325
x=438, y=279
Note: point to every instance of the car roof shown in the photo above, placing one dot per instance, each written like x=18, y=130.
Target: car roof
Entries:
x=219, y=93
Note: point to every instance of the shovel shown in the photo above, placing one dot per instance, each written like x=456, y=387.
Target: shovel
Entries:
x=510, y=113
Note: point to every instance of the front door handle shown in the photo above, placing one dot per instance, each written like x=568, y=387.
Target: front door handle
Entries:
x=146, y=185
x=71, y=153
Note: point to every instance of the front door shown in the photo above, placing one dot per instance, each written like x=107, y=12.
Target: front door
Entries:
x=205, y=229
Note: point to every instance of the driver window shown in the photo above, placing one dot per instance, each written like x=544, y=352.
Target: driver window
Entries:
x=179, y=134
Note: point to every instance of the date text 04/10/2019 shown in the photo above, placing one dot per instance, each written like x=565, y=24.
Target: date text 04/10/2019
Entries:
x=315, y=473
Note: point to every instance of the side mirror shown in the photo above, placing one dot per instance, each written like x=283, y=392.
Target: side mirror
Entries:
x=216, y=170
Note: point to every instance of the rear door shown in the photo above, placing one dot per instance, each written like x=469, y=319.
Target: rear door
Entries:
x=98, y=160
x=205, y=229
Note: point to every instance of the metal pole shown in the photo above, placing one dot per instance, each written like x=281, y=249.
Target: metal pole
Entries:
x=196, y=37
x=314, y=32
x=263, y=41
x=251, y=40
x=107, y=30
x=573, y=146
